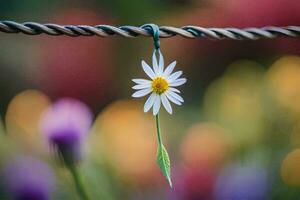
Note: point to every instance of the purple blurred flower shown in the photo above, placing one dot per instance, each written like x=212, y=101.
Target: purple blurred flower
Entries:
x=238, y=182
x=28, y=178
x=66, y=124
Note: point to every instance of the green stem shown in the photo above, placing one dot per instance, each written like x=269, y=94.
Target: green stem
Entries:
x=78, y=182
x=158, y=131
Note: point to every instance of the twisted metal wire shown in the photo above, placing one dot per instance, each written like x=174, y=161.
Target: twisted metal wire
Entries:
x=33, y=28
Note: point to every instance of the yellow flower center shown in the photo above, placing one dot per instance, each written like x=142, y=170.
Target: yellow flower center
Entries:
x=159, y=85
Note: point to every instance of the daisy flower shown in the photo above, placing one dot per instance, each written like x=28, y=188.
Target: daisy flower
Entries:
x=161, y=87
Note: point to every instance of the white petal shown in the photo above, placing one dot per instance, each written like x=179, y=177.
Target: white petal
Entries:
x=173, y=99
x=156, y=105
x=169, y=69
x=141, y=81
x=161, y=64
x=141, y=93
x=150, y=101
x=147, y=69
x=166, y=103
x=176, y=96
x=173, y=90
x=141, y=86
x=174, y=76
x=154, y=62
x=178, y=82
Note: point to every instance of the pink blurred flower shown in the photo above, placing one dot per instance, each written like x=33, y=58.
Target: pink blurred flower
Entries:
x=66, y=124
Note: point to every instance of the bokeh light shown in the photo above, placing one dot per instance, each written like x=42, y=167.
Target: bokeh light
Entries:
x=242, y=181
x=284, y=82
x=26, y=177
x=80, y=68
x=127, y=138
x=23, y=116
x=290, y=168
x=192, y=184
x=205, y=144
x=234, y=101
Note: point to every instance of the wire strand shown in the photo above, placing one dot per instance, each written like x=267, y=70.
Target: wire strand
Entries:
x=33, y=28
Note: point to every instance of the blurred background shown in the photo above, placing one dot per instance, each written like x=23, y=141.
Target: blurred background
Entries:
x=236, y=137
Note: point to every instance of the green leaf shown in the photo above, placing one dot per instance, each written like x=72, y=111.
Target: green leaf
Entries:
x=164, y=163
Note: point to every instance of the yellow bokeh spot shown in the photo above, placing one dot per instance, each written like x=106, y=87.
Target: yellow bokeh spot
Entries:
x=290, y=172
x=159, y=85
x=235, y=102
x=205, y=144
x=125, y=137
x=284, y=81
x=23, y=115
